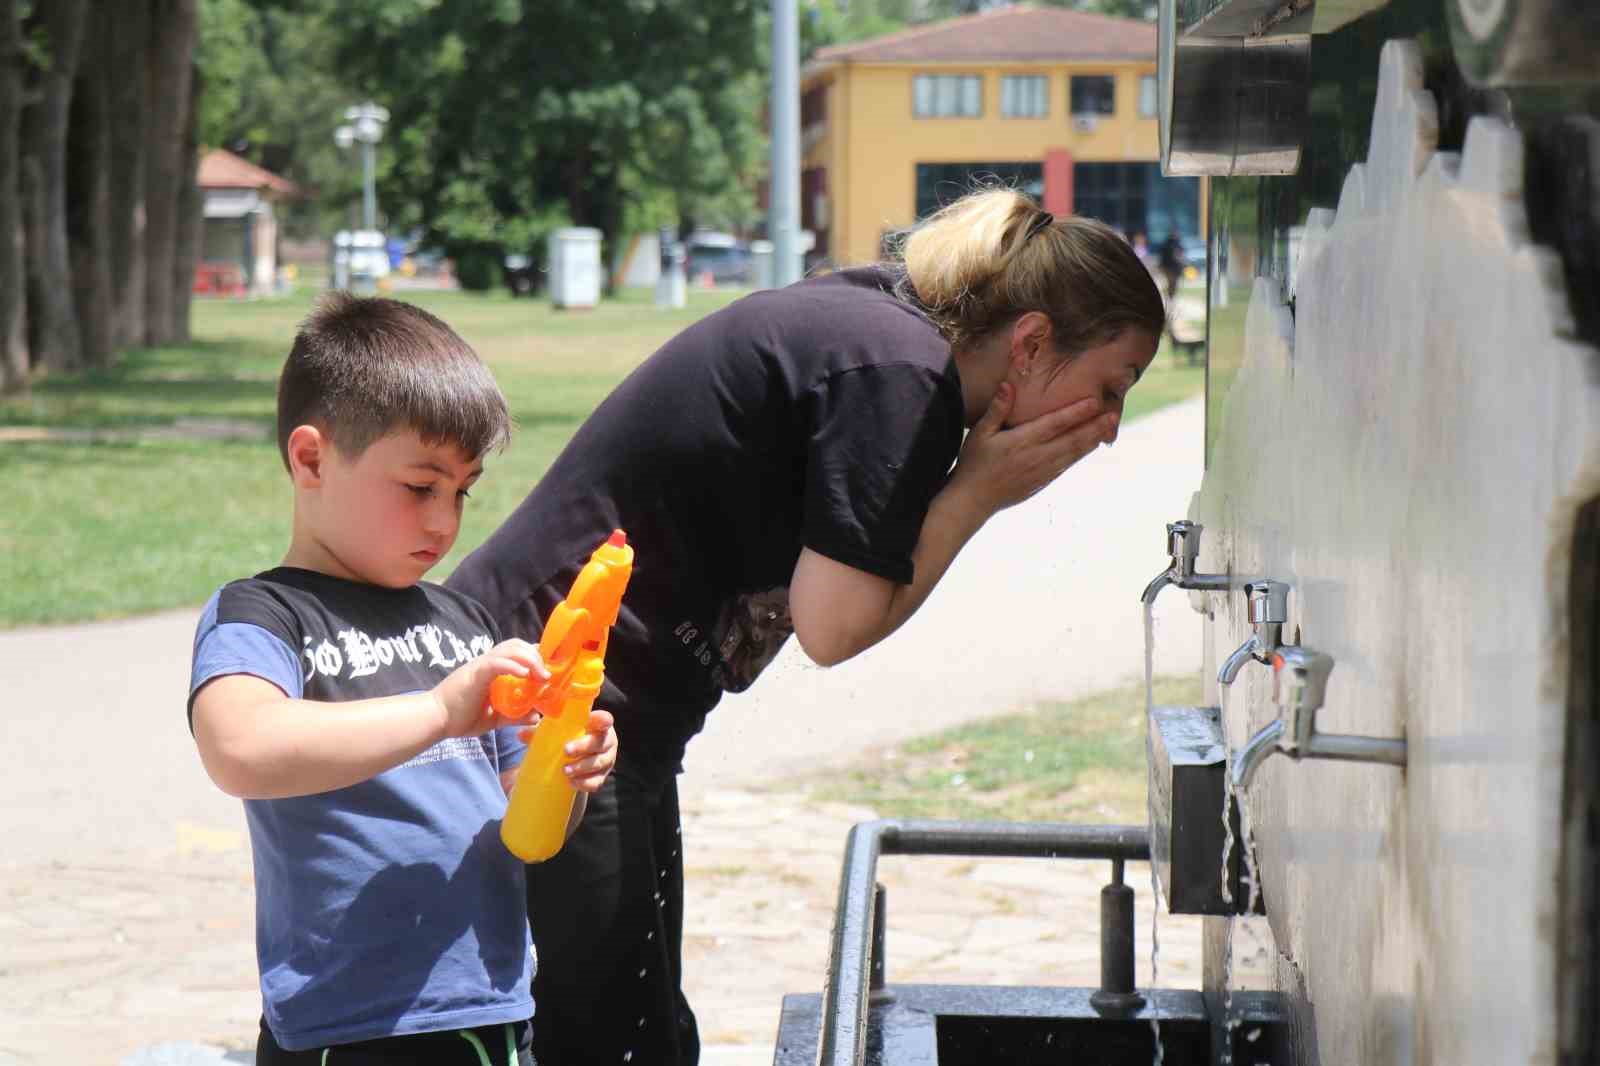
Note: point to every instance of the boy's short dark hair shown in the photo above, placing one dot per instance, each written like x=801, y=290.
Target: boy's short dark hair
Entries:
x=363, y=367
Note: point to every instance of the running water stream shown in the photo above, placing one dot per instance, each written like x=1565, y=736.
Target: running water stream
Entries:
x=1155, y=879
x=1247, y=852
x=1228, y=793
x=1245, y=842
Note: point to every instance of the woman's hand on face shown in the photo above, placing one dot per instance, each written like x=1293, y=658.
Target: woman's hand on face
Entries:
x=1002, y=466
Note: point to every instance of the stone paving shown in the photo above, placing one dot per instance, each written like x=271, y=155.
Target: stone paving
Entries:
x=158, y=955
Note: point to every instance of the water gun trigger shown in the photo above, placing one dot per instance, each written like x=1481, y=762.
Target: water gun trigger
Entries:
x=513, y=697
x=563, y=658
x=561, y=637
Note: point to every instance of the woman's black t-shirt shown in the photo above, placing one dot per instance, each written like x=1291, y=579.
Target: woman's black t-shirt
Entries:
x=823, y=415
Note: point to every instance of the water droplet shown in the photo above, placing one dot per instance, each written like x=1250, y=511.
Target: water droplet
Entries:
x=641, y=1024
x=627, y=1056
x=1253, y=1035
x=641, y=971
x=650, y=935
x=658, y=895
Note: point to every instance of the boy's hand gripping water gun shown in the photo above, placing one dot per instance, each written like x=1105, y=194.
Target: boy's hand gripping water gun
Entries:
x=573, y=648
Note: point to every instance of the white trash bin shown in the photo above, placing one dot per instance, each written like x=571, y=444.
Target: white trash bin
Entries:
x=761, y=264
x=575, y=267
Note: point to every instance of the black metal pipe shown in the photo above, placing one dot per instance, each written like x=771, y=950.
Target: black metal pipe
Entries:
x=1042, y=840
x=1116, y=994
x=845, y=996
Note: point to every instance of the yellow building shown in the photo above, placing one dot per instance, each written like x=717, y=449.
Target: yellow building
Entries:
x=1059, y=102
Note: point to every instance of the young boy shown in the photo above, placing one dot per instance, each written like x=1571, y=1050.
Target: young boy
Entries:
x=345, y=701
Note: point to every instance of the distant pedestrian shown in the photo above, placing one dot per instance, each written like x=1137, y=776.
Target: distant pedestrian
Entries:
x=1141, y=248
x=1170, y=260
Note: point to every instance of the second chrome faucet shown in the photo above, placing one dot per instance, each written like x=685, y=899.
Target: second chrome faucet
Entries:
x=1267, y=608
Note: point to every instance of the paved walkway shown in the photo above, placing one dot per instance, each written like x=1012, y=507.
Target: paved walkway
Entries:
x=125, y=895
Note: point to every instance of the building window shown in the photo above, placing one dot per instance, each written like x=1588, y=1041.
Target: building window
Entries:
x=947, y=95
x=1094, y=94
x=1136, y=198
x=1148, y=107
x=1024, y=96
x=942, y=183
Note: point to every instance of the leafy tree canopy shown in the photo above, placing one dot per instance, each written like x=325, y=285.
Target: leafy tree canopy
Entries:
x=510, y=117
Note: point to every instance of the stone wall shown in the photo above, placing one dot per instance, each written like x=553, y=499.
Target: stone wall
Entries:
x=1409, y=447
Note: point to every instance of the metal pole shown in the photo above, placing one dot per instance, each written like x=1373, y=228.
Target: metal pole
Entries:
x=1116, y=994
x=846, y=993
x=369, y=206
x=877, y=983
x=783, y=219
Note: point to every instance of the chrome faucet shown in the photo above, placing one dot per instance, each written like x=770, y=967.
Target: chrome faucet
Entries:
x=1183, y=544
x=1267, y=607
x=1300, y=680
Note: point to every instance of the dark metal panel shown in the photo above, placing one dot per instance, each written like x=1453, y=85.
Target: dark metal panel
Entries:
x=1578, y=982
x=1230, y=102
x=954, y=1025
x=1187, y=767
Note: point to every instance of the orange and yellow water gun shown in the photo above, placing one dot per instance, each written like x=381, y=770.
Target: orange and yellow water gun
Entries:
x=573, y=648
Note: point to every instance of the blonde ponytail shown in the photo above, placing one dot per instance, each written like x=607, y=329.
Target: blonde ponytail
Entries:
x=992, y=255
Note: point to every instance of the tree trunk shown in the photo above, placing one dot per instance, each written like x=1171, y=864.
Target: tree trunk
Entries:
x=13, y=334
x=125, y=69
x=88, y=189
x=186, y=248
x=610, y=222
x=170, y=60
x=53, y=332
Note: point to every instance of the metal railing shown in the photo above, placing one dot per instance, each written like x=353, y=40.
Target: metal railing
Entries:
x=856, y=953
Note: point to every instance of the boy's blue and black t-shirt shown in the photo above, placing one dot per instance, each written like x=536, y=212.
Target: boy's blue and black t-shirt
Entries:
x=391, y=906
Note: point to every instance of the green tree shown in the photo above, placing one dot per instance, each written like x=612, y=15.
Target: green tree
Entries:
x=509, y=118
x=13, y=292
x=1144, y=10
x=274, y=95
x=829, y=22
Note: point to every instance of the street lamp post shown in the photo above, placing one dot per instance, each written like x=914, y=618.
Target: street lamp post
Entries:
x=783, y=218
x=366, y=125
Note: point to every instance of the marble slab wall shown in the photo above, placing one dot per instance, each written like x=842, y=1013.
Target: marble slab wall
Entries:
x=1404, y=425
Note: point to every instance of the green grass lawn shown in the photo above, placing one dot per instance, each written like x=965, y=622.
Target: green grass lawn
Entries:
x=1081, y=761
x=149, y=511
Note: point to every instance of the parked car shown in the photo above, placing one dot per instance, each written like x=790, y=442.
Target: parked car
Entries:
x=722, y=255
x=522, y=275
